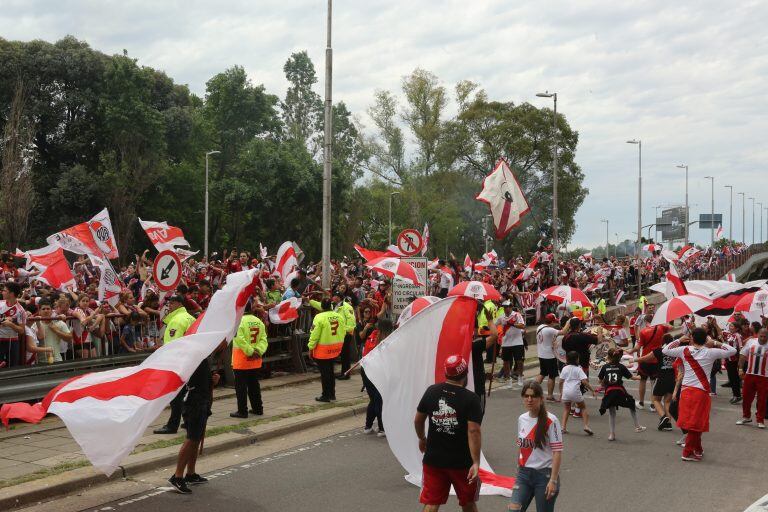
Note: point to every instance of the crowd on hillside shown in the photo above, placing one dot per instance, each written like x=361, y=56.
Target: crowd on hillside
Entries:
x=44, y=325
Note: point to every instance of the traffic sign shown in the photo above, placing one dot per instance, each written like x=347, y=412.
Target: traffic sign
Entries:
x=409, y=242
x=167, y=270
x=403, y=292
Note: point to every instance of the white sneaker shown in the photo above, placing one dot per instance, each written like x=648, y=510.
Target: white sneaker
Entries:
x=639, y=405
x=651, y=408
x=681, y=441
x=368, y=430
x=640, y=429
x=744, y=421
x=381, y=434
x=761, y=425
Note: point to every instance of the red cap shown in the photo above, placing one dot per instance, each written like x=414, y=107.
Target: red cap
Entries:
x=550, y=318
x=455, y=366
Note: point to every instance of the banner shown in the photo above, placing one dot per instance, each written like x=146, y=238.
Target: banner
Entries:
x=163, y=236
x=92, y=237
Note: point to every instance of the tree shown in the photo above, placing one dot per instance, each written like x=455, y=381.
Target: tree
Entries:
x=302, y=108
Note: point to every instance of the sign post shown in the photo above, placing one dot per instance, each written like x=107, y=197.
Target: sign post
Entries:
x=402, y=292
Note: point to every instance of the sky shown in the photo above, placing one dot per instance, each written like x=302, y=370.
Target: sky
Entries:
x=684, y=77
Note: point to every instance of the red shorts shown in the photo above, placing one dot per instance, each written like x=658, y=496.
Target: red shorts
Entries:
x=436, y=485
x=693, y=410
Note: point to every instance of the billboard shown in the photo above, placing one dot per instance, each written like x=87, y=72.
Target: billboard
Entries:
x=706, y=220
x=672, y=223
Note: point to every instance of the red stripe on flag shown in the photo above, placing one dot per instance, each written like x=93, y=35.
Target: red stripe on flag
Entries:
x=501, y=228
x=697, y=369
x=148, y=384
x=506, y=482
x=456, y=334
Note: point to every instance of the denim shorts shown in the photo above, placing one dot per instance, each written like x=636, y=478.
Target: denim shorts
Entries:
x=531, y=484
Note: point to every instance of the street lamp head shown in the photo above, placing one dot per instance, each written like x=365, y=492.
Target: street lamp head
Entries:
x=709, y=177
x=546, y=94
x=633, y=141
x=214, y=152
x=682, y=166
x=394, y=193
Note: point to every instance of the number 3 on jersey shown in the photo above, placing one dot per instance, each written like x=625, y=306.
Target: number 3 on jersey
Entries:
x=254, y=334
x=334, y=327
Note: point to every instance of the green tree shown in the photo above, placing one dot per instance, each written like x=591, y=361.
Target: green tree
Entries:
x=302, y=108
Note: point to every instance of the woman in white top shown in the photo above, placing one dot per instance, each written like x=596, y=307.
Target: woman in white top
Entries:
x=541, y=445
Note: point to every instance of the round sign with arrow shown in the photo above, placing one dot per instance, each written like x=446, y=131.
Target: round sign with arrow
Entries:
x=167, y=270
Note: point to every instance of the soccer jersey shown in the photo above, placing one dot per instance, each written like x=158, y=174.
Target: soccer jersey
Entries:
x=697, y=362
x=734, y=340
x=545, y=338
x=531, y=456
x=614, y=374
x=513, y=337
x=757, y=357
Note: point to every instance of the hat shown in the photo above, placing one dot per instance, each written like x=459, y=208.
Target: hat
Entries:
x=550, y=318
x=455, y=366
x=506, y=303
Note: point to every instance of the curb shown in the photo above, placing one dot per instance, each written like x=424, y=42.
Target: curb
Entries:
x=37, y=491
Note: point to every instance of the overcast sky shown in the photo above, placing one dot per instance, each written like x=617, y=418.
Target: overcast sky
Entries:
x=688, y=77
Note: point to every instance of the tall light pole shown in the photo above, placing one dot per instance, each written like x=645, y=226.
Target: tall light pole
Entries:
x=766, y=220
x=743, y=217
x=327, y=148
x=687, y=220
x=753, y=218
x=712, y=218
x=553, y=95
x=730, y=213
x=639, y=201
x=391, y=194
x=760, y=213
x=616, y=247
x=205, y=244
x=607, y=242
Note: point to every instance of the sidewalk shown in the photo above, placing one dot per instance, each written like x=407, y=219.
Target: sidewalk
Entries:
x=33, y=451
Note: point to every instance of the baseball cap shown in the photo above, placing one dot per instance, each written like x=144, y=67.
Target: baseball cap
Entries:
x=506, y=303
x=550, y=318
x=455, y=366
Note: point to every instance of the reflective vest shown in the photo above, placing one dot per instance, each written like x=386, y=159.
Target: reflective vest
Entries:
x=482, y=320
x=642, y=302
x=601, y=306
x=249, y=344
x=327, y=337
x=176, y=324
x=348, y=312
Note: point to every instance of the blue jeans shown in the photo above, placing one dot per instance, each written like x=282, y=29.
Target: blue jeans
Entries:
x=532, y=483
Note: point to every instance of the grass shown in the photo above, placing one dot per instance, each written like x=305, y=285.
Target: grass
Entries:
x=43, y=473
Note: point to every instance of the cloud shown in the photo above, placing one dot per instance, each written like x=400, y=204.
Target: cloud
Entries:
x=684, y=77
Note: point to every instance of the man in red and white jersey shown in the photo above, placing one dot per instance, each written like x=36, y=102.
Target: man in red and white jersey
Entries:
x=13, y=320
x=755, y=354
x=695, y=402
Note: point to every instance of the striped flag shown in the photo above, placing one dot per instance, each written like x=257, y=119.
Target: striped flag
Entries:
x=502, y=193
x=719, y=232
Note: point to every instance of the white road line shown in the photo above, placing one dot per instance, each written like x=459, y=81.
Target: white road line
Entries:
x=760, y=505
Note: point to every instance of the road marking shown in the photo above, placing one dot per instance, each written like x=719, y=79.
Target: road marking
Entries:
x=760, y=505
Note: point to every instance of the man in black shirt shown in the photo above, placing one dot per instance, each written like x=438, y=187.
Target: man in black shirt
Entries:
x=452, y=448
x=579, y=341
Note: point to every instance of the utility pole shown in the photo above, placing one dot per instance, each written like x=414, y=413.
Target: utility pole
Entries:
x=205, y=245
x=743, y=217
x=327, y=156
x=687, y=211
x=639, y=201
x=712, y=217
x=730, y=214
x=607, y=240
x=553, y=95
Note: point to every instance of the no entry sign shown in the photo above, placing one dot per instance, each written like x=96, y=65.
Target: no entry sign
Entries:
x=409, y=242
x=167, y=270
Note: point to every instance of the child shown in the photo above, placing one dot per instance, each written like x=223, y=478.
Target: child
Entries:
x=612, y=377
x=573, y=378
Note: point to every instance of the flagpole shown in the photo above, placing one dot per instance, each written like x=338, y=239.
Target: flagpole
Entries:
x=553, y=95
x=327, y=144
x=743, y=216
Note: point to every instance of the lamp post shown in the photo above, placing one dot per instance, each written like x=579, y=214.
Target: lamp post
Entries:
x=391, y=194
x=327, y=150
x=616, y=247
x=553, y=95
x=760, y=213
x=607, y=242
x=205, y=244
x=712, y=217
x=766, y=220
x=730, y=212
x=687, y=220
x=753, y=218
x=639, y=200
x=743, y=217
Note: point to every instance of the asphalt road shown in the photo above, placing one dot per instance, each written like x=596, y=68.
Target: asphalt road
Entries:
x=353, y=471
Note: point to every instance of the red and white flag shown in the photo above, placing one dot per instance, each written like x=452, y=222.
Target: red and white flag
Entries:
x=92, y=237
x=467, y=263
x=528, y=270
x=285, y=312
x=425, y=238
x=163, y=236
x=730, y=276
x=411, y=359
x=687, y=253
x=393, y=250
x=719, y=232
x=262, y=252
x=107, y=412
x=502, y=193
x=287, y=261
x=53, y=267
x=675, y=284
x=110, y=285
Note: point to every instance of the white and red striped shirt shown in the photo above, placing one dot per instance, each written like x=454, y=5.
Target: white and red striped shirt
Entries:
x=531, y=456
x=734, y=340
x=697, y=362
x=757, y=357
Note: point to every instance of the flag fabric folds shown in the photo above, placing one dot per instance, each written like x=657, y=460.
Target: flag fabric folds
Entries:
x=163, y=236
x=411, y=359
x=285, y=312
x=53, y=267
x=92, y=237
x=502, y=193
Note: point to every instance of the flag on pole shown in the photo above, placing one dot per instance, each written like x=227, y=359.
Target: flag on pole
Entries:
x=528, y=270
x=687, y=253
x=52, y=266
x=719, y=233
x=163, y=236
x=110, y=285
x=285, y=312
x=502, y=193
x=107, y=412
x=467, y=263
x=92, y=237
x=425, y=239
x=286, y=261
x=411, y=359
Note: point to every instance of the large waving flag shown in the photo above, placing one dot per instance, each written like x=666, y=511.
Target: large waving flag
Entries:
x=687, y=253
x=411, y=359
x=287, y=260
x=53, y=267
x=719, y=232
x=528, y=270
x=92, y=237
x=502, y=193
x=110, y=284
x=285, y=312
x=163, y=236
x=675, y=284
x=107, y=412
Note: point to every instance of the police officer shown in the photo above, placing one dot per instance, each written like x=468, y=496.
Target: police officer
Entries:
x=248, y=347
x=325, y=343
x=177, y=321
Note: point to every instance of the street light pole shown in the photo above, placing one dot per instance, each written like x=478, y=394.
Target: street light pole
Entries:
x=607, y=222
x=687, y=219
x=205, y=244
x=753, y=218
x=760, y=213
x=639, y=201
x=743, y=217
x=712, y=217
x=327, y=156
x=730, y=212
x=616, y=247
x=553, y=95
x=390, y=215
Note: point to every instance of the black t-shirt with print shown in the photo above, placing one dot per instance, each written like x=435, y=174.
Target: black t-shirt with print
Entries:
x=665, y=363
x=449, y=408
x=614, y=374
x=580, y=342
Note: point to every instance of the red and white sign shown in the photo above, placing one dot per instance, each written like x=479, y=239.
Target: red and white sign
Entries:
x=409, y=242
x=167, y=270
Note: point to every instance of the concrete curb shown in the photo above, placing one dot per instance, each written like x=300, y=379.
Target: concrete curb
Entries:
x=37, y=491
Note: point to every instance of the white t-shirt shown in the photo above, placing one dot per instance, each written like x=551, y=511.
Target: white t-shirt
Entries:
x=703, y=357
x=446, y=279
x=530, y=456
x=545, y=337
x=514, y=336
x=572, y=375
x=620, y=336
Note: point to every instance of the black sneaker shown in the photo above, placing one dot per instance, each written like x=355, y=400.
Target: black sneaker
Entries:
x=257, y=412
x=322, y=399
x=662, y=422
x=194, y=479
x=179, y=484
x=735, y=400
x=667, y=425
